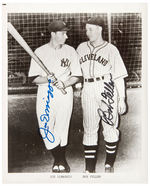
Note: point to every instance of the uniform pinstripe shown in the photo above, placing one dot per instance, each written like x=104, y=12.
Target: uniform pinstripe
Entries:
x=101, y=61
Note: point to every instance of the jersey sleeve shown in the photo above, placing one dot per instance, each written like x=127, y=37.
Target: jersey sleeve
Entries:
x=118, y=67
x=34, y=69
x=75, y=65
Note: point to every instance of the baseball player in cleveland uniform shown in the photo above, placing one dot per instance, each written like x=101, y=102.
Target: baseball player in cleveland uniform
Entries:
x=52, y=107
x=103, y=93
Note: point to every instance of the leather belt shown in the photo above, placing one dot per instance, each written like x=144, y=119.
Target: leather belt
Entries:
x=94, y=79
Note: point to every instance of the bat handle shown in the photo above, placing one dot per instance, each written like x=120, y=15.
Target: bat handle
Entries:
x=63, y=91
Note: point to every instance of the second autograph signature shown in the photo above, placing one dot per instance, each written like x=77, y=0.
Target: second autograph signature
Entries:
x=108, y=94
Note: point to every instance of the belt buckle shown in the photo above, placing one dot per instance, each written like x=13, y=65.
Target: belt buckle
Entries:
x=91, y=80
x=98, y=79
x=94, y=79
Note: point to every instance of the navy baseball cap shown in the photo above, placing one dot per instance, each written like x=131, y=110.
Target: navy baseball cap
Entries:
x=57, y=25
x=96, y=21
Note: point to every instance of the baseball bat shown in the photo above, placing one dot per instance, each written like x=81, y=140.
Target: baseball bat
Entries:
x=11, y=29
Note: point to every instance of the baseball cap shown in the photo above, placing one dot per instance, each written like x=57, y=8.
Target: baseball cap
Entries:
x=57, y=25
x=96, y=21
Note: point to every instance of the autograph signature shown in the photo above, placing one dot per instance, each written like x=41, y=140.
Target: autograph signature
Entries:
x=108, y=94
x=45, y=117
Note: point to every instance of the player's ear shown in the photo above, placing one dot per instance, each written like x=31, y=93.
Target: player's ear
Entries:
x=99, y=28
x=52, y=34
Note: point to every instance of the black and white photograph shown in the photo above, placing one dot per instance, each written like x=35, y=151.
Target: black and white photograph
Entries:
x=75, y=83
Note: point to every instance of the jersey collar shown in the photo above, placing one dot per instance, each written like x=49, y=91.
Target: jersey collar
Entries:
x=98, y=46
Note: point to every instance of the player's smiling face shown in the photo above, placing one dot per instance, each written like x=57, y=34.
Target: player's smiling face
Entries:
x=60, y=37
x=93, y=32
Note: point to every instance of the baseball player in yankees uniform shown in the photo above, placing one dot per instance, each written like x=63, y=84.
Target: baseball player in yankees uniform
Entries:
x=103, y=93
x=54, y=108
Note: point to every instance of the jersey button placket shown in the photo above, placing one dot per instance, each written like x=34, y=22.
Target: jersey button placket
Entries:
x=91, y=65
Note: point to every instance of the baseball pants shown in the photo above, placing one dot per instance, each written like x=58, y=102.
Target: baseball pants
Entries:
x=92, y=101
x=60, y=110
